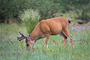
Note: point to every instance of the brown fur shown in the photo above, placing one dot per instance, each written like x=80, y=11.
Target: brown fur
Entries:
x=53, y=26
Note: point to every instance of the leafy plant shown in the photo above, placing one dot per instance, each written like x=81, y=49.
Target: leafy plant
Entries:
x=30, y=19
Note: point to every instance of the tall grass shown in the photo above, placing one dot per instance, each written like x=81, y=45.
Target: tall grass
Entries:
x=12, y=49
x=30, y=19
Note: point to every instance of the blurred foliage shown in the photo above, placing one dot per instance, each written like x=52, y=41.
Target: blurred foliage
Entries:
x=84, y=12
x=10, y=8
x=47, y=8
x=8, y=29
x=30, y=19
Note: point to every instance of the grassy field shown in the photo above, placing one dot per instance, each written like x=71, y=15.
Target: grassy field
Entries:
x=12, y=49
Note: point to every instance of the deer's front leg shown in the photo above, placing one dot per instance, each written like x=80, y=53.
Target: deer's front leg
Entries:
x=33, y=46
x=47, y=38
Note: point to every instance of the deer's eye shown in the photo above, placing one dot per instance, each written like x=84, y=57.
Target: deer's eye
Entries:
x=27, y=44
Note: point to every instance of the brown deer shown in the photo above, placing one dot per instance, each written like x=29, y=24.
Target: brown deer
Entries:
x=45, y=28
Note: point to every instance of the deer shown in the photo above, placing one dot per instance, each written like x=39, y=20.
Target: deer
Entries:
x=45, y=28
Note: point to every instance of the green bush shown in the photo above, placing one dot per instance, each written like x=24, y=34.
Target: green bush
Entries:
x=47, y=8
x=30, y=19
x=83, y=12
x=85, y=15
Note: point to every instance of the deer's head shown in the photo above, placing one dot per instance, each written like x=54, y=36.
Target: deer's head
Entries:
x=29, y=42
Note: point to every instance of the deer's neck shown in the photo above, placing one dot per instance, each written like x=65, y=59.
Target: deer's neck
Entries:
x=36, y=34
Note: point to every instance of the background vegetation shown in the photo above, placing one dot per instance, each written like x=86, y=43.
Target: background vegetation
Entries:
x=30, y=19
x=10, y=9
x=23, y=15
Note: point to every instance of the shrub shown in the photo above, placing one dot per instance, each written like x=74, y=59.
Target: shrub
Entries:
x=84, y=13
x=30, y=19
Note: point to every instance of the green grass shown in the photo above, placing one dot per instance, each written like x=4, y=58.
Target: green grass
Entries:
x=12, y=49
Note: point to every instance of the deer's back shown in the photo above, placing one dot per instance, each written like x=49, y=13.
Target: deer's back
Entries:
x=53, y=26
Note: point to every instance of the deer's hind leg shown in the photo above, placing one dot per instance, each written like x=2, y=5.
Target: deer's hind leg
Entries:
x=65, y=38
x=68, y=34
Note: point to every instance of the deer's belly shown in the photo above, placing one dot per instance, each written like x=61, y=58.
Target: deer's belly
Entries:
x=56, y=30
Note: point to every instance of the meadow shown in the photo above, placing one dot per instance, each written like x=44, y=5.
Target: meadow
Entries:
x=12, y=49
